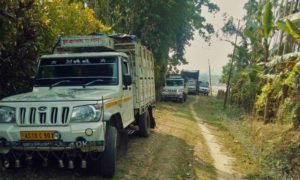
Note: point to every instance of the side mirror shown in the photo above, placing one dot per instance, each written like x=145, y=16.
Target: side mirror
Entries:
x=32, y=81
x=127, y=80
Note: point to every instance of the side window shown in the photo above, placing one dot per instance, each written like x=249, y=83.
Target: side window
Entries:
x=125, y=68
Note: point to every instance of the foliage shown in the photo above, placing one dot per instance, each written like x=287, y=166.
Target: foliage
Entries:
x=293, y=79
x=284, y=157
x=19, y=25
x=290, y=28
x=61, y=18
x=30, y=27
x=249, y=64
x=271, y=93
x=274, y=87
x=165, y=27
x=286, y=111
x=267, y=19
x=245, y=83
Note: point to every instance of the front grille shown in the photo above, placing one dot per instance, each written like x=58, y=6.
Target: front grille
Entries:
x=32, y=115
x=22, y=115
x=54, y=112
x=65, y=113
x=48, y=116
x=42, y=117
x=172, y=90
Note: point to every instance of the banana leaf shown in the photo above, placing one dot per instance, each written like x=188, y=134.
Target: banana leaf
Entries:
x=267, y=18
x=282, y=25
x=293, y=30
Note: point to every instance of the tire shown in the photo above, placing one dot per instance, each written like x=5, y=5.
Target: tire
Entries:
x=144, y=124
x=182, y=100
x=109, y=155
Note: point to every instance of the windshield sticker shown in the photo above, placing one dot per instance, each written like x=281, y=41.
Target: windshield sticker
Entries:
x=78, y=61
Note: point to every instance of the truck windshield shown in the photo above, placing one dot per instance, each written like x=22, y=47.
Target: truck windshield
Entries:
x=174, y=83
x=204, y=84
x=77, y=71
x=191, y=83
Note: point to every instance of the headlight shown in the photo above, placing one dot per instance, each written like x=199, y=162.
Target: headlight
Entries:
x=7, y=114
x=87, y=113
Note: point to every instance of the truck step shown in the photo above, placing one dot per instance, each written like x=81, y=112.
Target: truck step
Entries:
x=131, y=131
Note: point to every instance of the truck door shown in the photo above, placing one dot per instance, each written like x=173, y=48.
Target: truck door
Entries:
x=127, y=99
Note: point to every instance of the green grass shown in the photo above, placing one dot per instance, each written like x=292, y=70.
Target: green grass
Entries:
x=211, y=110
x=180, y=109
x=230, y=130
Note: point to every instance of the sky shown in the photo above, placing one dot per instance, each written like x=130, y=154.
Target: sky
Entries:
x=200, y=51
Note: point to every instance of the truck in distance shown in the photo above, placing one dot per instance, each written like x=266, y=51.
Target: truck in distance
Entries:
x=85, y=97
x=204, y=88
x=191, y=78
x=174, y=89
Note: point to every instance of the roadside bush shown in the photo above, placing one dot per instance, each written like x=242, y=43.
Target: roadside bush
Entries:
x=268, y=101
x=286, y=111
x=285, y=156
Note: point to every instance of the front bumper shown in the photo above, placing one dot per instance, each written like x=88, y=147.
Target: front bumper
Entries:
x=204, y=91
x=72, y=136
x=172, y=96
x=192, y=90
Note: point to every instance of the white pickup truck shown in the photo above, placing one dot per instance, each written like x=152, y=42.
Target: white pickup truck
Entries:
x=174, y=89
x=86, y=96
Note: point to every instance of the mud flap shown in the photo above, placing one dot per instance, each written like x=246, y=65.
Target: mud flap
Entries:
x=152, y=119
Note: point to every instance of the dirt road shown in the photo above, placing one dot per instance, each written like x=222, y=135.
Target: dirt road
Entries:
x=222, y=162
x=179, y=148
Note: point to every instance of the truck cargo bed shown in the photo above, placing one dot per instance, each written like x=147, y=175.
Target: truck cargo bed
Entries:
x=142, y=64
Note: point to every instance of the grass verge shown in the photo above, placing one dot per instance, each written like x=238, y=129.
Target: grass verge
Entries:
x=228, y=126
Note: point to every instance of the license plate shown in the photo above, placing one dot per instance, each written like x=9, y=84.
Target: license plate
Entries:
x=36, y=135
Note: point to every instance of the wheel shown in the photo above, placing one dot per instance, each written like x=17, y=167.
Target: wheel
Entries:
x=182, y=100
x=144, y=124
x=109, y=155
x=185, y=97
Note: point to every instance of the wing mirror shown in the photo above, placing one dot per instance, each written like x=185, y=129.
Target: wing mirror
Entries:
x=127, y=80
x=32, y=81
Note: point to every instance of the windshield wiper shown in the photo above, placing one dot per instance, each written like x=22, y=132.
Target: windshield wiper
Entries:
x=92, y=82
x=59, y=82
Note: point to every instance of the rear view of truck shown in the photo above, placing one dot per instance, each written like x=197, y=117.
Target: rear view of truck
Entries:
x=191, y=80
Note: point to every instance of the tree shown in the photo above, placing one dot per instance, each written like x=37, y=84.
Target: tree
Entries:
x=163, y=26
x=29, y=28
x=245, y=84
